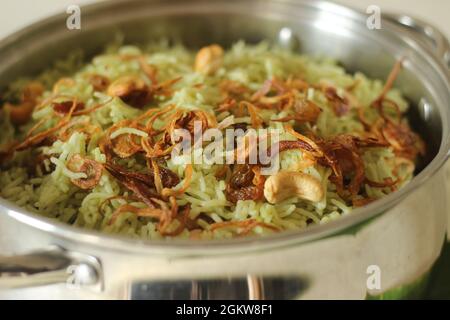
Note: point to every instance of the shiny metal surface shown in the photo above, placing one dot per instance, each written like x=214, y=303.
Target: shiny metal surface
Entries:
x=51, y=266
x=431, y=34
x=250, y=288
x=403, y=233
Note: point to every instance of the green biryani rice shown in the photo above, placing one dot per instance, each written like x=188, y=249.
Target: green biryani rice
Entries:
x=46, y=188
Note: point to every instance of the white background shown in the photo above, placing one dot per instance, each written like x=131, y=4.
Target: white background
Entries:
x=16, y=14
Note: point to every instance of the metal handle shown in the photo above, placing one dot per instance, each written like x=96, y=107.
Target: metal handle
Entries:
x=51, y=266
x=430, y=34
x=249, y=288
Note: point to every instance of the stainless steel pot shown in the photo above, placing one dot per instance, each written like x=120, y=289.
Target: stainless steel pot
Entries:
x=397, y=238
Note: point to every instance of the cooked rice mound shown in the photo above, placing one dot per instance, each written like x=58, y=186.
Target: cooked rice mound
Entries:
x=90, y=144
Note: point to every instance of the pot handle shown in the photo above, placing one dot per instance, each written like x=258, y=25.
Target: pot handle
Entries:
x=51, y=266
x=251, y=287
x=432, y=35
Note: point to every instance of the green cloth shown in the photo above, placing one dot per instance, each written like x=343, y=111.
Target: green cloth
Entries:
x=439, y=285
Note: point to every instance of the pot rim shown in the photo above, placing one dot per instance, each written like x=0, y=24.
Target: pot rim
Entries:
x=210, y=247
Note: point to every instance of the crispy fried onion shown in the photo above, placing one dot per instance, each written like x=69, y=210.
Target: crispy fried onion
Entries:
x=82, y=125
x=125, y=144
x=41, y=137
x=361, y=202
x=163, y=213
x=162, y=89
x=21, y=113
x=233, y=90
x=99, y=83
x=168, y=178
x=305, y=111
x=242, y=109
x=149, y=70
x=63, y=108
x=395, y=132
x=246, y=183
x=403, y=140
x=160, y=143
x=278, y=94
x=67, y=125
x=136, y=92
x=274, y=94
x=141, y=188
x=92, y=169
x=340, y=102
x=387, y=183
x=7, y=151
x=167, y=191
x=132, y=90
x=253, y=112
x=343, y=154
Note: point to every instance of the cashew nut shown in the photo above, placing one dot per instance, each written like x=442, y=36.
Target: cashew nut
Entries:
x=286, y=184
x=20, y=114
x=209, y=59
x=132, y=90
x=125, y=85
x=99, y=82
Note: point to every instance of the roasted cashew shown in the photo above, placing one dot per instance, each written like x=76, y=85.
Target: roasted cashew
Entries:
x=21, y=114
x=286, y=184
x=132, y=90
x=209, y=59
x=125, y=85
